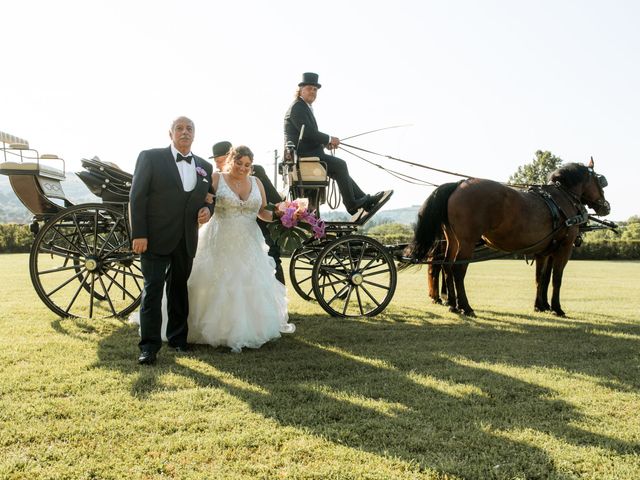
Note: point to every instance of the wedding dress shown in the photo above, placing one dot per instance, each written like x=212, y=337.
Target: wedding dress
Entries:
x=234, y=298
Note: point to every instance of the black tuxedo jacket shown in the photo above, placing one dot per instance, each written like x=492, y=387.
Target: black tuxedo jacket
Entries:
x=300, y=114
x=160, y=209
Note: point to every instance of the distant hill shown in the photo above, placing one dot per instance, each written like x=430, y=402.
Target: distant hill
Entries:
x=405, y=216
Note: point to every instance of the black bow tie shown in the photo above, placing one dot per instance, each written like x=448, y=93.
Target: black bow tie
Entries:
x=186, y=159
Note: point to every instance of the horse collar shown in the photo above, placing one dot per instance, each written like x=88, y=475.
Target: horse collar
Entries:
x=582, y=215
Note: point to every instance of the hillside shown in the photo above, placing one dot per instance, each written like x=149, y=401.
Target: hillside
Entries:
x=405, y=216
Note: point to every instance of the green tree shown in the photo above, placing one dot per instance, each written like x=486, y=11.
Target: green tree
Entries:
x=536, y=172
x=631, y=230
x=391, y=233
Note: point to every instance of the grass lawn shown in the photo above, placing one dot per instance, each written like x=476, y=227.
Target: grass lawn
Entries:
x=416, y=392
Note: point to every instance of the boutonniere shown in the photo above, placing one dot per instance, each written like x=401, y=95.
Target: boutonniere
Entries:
x=201, y=171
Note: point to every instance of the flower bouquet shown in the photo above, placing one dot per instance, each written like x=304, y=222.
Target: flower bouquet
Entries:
x=293, y=224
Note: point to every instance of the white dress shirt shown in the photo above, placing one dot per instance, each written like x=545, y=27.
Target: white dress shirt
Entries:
x=186, y=170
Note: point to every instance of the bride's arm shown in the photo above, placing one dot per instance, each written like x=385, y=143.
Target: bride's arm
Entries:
x=263, y=213
x=215, y=179
x=211, y=195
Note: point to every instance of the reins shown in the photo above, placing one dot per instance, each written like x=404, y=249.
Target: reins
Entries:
x=399, y=175
x=407, y=162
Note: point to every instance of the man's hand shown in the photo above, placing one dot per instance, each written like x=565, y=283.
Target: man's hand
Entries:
x=334, y=142
x=139, y=245
x=203, y=215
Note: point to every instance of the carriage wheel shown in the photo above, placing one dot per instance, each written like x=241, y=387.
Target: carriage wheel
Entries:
x=301, y=269
x=354, y=276
x=81, y=263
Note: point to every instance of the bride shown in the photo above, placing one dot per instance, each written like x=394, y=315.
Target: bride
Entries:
x=234, y=298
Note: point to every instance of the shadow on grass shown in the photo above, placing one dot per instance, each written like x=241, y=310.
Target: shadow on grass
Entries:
x=429, y=394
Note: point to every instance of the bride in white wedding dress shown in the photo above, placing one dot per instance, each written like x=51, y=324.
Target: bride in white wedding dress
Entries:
x=234, y=298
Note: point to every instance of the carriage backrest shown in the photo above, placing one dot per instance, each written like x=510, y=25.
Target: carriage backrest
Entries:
x=304, y=177
x=310, y=170
x=20, y=159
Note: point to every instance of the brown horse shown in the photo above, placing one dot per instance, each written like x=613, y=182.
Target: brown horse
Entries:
x=543, y=222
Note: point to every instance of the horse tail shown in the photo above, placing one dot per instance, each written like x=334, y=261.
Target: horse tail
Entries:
x=432, y=215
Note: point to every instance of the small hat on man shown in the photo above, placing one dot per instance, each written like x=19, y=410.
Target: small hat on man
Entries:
x=221, y=148
x=309, y=78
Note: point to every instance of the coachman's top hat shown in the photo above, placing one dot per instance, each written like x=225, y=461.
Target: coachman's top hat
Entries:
x=309, y=78
x=221, y=148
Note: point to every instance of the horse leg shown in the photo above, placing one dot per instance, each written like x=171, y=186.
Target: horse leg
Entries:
x=559, y=263
x=443, y=290
x=433, y=277
x=462, y=256
x=450, y=284
x=459, y=272
x=457, y=251
x=543, y=277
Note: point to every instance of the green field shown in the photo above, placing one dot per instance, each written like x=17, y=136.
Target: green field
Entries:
x=416, y=392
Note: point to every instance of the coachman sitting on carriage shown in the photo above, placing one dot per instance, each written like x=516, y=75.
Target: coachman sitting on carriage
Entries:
x=301, y=130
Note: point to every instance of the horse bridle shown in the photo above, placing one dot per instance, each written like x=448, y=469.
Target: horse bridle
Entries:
x=601, y=182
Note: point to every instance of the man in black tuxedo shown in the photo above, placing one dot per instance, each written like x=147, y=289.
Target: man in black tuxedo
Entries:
x=313, y=142
x=219, y=156
x=167, y=202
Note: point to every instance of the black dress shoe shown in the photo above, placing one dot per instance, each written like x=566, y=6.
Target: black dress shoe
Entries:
x=147, y=358
x=373, y=200
x=182, y=348
x=360, y=203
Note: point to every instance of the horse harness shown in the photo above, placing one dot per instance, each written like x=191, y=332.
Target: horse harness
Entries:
x=558, y=213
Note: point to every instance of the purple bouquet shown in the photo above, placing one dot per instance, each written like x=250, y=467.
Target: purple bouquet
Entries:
x=295, y=224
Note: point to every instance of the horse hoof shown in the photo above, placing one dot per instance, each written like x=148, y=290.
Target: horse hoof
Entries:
x=453, y=309
x=541, y=309
x=437, y=301
x=559, y=313
x=468, y=313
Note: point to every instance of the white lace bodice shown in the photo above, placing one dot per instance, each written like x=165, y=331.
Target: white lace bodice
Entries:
x=229, y=205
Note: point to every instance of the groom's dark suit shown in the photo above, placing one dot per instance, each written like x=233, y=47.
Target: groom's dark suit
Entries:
x=312, y=145
x=163, y=213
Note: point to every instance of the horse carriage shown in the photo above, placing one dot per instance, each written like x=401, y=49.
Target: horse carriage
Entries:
x=81, y=263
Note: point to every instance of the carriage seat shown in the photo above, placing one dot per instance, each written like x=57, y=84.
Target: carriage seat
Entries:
x=33, y=168
x=37, y=186
x=311, y=171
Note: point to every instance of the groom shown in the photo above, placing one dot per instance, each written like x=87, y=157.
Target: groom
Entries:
x=167, y=202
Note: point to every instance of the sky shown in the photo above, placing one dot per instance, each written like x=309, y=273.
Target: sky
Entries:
x=480, y=85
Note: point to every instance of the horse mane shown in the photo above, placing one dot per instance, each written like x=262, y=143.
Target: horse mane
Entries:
x=569, y=175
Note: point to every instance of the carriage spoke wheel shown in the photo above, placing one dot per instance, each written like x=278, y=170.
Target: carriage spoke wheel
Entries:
x=81, y=263
x=301, y=269
x=354, y=276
